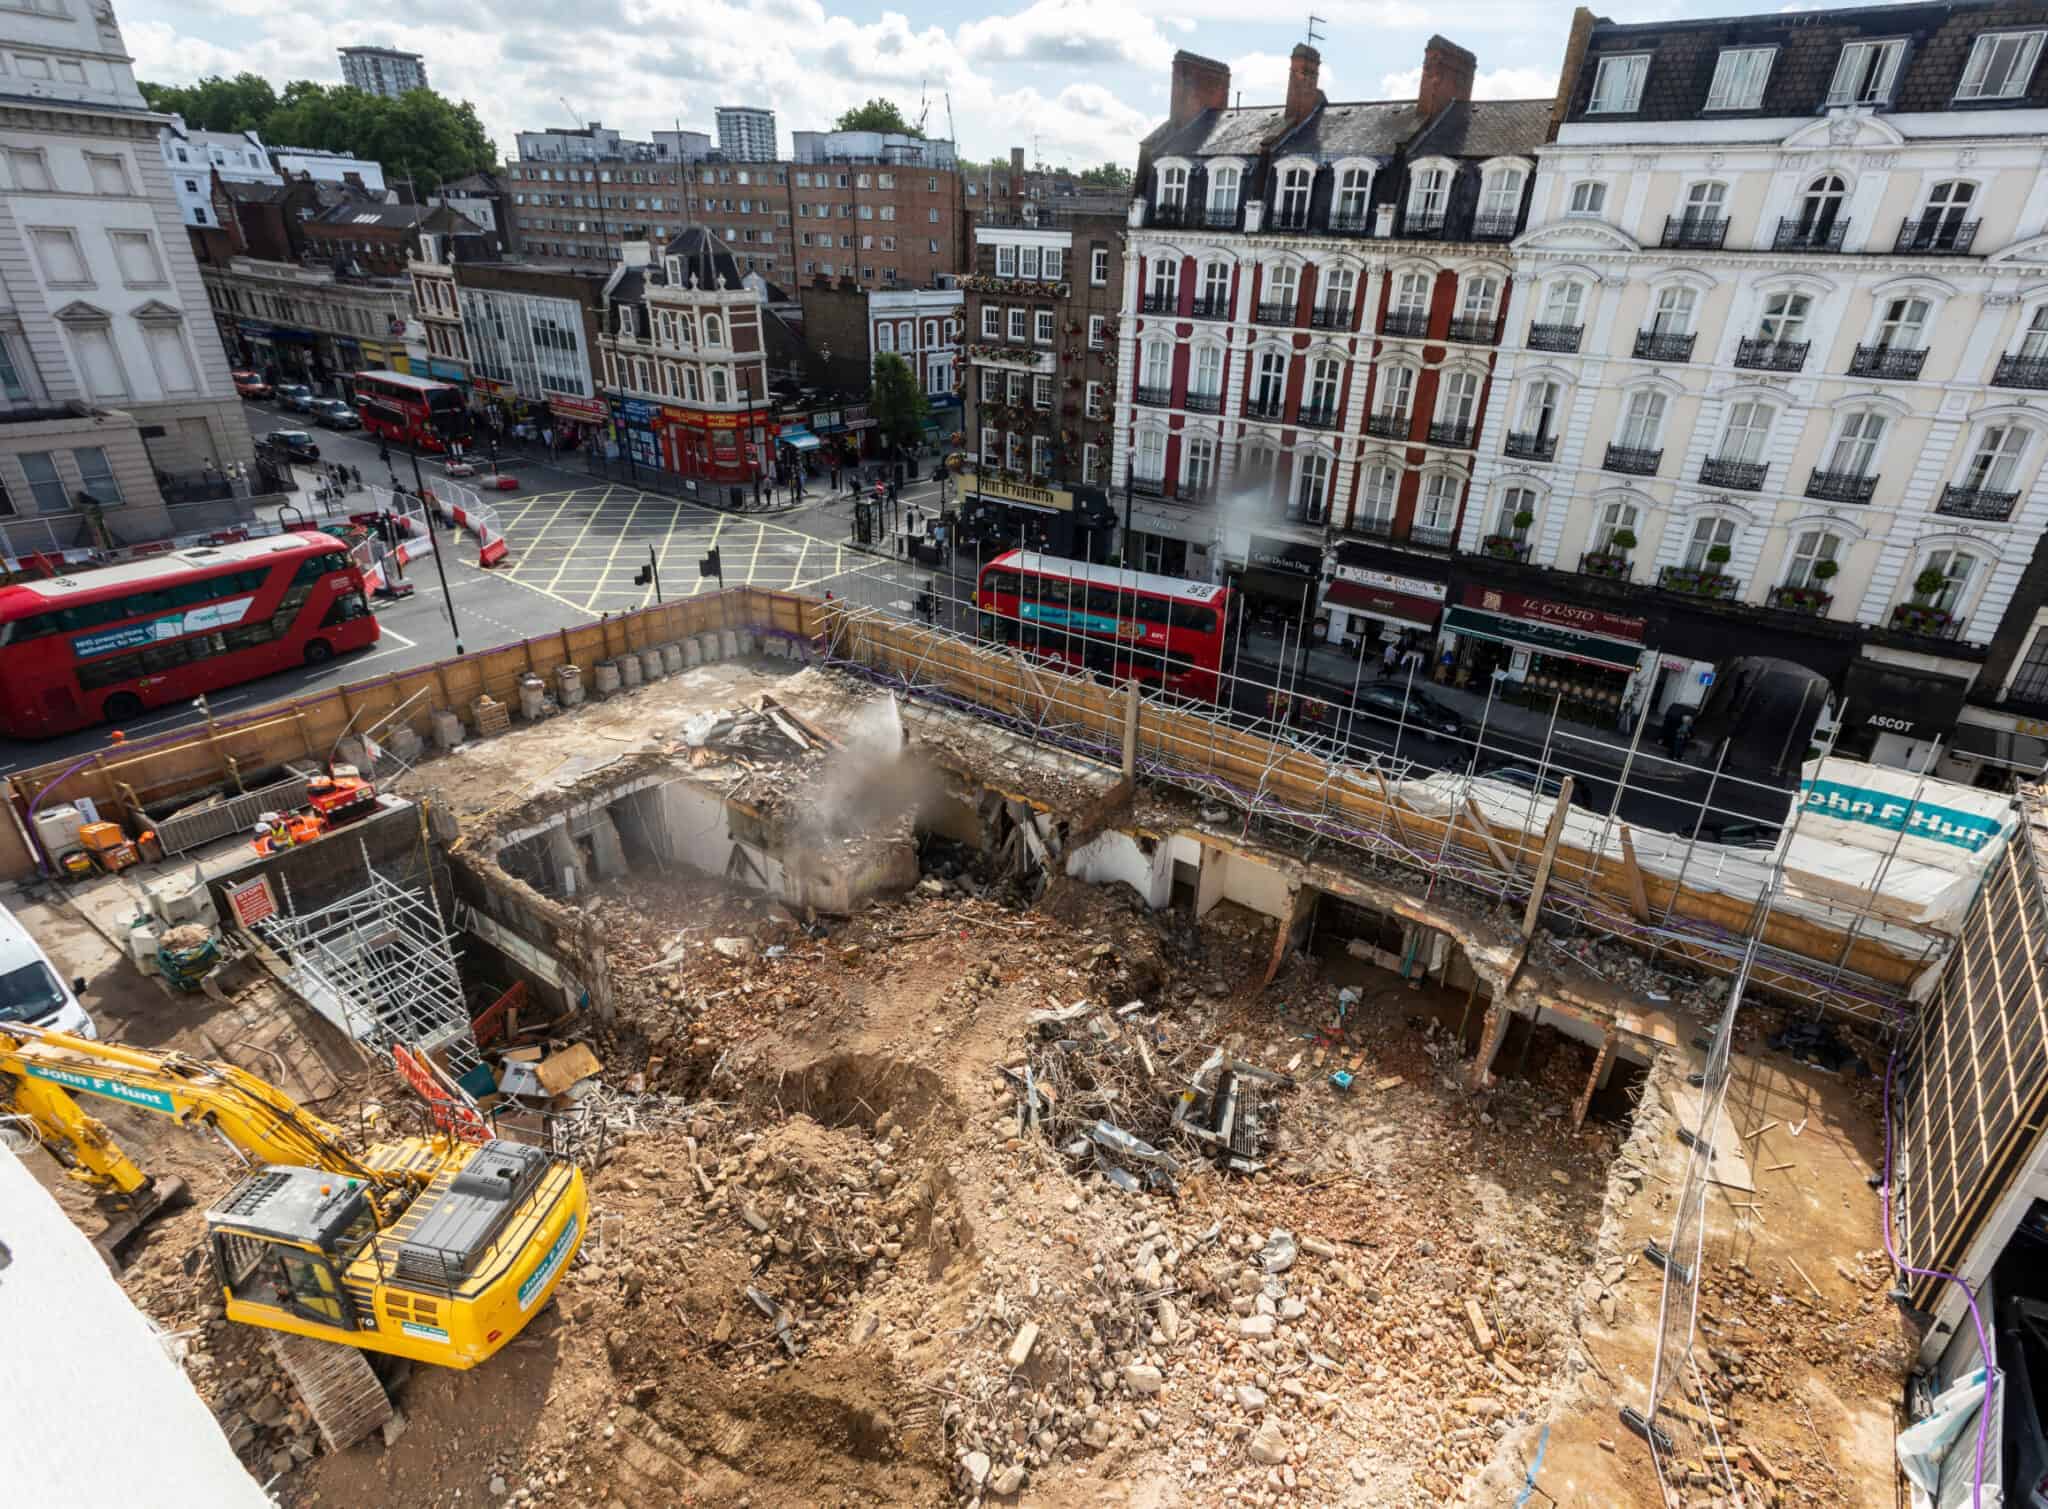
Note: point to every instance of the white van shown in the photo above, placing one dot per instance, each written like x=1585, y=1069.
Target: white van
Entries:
x=31, y=991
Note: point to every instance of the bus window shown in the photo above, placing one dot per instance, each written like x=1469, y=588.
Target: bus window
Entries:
x=1152, y=610
x=1189, y=616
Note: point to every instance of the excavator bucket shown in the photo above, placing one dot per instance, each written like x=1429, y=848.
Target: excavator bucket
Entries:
x=128, y=1222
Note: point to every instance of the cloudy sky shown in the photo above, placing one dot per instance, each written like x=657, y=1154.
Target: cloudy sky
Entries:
x=1079, y=81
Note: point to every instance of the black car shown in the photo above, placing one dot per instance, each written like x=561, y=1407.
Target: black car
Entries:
x=333, y=414
x=1418, y=709
x=296, y=445
x=1545, y=783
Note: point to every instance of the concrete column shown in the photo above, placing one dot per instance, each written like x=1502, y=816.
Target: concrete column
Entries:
x=1493, y=1031
x=1601, y=1065
x=608, y=853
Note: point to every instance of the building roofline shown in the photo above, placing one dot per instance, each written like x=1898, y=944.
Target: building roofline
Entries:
x=1603, y=27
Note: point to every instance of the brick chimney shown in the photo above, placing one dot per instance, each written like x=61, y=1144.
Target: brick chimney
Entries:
x=1302, y=94
x=1198, y=84
x=1447, y=71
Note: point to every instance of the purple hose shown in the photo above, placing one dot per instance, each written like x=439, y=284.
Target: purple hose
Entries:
x=49, y=860
x=1976, y=1316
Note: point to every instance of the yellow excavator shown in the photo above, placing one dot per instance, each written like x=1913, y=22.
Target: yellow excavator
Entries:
x=435, y=1249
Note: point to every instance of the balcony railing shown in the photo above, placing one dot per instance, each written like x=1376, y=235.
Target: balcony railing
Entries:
x=1505, y=547
x=1922, y=237
x=1203, y=403
x=1743, y=476
x=1611, y=564
x=1288, y=220
x=1699, y=581
x=1373, y=527
x=1218, y=218
x=1530, y=447
x=1792, y=236
x=1633, y=460
x=1494, y=227
x=2021, y=372
x=1976, y=502
x=1694, y=232
x=1555, y=337
x=1423, y=227
x=1265, y=408
x=1211, y=309
x=1159, y=303
x=1452, y=433
x=1170, y=214
x=1154, y=398
x=1663, y=346
x=1430, y=537
x=1353, y=222
x=1888, y=361
x=1387, y=426
x=1481, y=329
x=1809, y=600
x=1274, y=314
x=1840, y=487
x=1318, y=416
x=1406, y=322
x=1151, y=487
x=1330, y=317
x=1926, y=621
x=1771, y=356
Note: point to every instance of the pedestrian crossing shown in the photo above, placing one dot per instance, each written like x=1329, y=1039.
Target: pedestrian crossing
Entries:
x=584, y=546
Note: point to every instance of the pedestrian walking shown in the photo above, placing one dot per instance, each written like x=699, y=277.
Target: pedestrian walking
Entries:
x=1388, y=658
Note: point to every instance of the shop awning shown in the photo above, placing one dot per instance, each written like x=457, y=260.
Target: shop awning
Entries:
x=1902, y=699
x=799, y=439
x=1278, y=587
x=1544, y=639
x=1999, y=746
x=1393, y=607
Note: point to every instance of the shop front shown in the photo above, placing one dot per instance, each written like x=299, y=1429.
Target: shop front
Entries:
x=1588, y=662
x=1167, y=539
x=447, y=371
x=1277, y=589
x=1375, y=594
x=1995, y=749
x=1893, y=714
x=634, y=434
x=998, y=515
x=574, y=419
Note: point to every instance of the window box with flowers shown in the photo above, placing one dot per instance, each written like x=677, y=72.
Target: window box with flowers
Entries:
x=1505, y=547
x=1610, y=560
x=1700, y=581
x=1923, y=615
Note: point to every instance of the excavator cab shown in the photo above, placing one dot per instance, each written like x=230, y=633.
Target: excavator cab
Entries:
x=283, y=1240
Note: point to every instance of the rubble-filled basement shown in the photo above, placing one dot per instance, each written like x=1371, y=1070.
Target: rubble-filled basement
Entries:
x=969, y=1119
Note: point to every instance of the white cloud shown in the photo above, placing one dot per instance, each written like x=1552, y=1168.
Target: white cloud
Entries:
x=1073, y=32
x=1489, y=84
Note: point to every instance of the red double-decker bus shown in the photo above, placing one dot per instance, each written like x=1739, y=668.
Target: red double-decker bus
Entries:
x=417, y=412
x=106, y=644
x=1121, y=623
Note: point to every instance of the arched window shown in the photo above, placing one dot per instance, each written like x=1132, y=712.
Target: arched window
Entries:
x=1312, y=487
x=1705, y=206
x=1811, y=548
x=1269, y=386
x=1945, y=225
x=1378, y=489
x=906, y=336
x=1173, y=188
x=1340, y=287
x=1437, y=510
x=1157, y=374
x=1564, y=304
x=1749, y=430
x=1784, y=318
x=1223, y=186
x=1325, y=374
x=1460, y=403
x=1904, y=326
x=1206, y=379
x=885, y=337
x=1354, y=190
x=1411, y=296
x=1856, y=447
x=1955, y=568
x=1482, y=298
x=1995, y=464
x=1674, y=312
x=720, y=391
x=1294, y=191
x=1588, y=198
x=1280, y=294
x=1516, y=518
x=1198, y=465
x=1216, y=291
x=690, y=389
x=1500, y=199
x=1616, y=519
x=1820, y=210
x=1165, y=285
x=1396, y=393
x=1541, y=411
x=1642, y=423
x=931, y=332
x=714, y=334
x=1429, y=192
x=1257, y=468
x=2034, y=340
x=1712, y=542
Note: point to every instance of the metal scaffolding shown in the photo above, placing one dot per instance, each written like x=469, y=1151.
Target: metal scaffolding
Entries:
x=380, y=965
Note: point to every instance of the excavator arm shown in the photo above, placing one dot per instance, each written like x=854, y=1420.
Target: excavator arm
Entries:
x=44, y=1073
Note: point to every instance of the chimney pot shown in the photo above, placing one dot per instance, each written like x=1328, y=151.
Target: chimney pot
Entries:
x=1303, y=70
x=1199, y=84
x=1447, y=71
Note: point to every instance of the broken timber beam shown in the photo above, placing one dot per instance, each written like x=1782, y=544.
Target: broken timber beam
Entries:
x=1600, y=1063
x=1550, y=837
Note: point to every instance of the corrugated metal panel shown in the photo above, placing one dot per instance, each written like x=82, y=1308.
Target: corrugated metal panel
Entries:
x=202, y=825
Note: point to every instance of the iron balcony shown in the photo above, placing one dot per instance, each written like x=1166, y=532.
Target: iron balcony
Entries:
x=1633, y=460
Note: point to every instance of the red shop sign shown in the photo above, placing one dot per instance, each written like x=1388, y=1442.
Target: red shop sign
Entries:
x=1544, y=610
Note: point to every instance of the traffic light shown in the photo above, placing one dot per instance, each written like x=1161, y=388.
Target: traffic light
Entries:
x=644, y=575
x=651, y=573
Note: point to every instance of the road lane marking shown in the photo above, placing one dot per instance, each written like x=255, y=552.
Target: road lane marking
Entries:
x=577, y=543
x=617, y=540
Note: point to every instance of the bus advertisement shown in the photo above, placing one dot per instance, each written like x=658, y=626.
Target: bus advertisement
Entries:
x=1108, y=620
x=106, y=644
x=416, y=412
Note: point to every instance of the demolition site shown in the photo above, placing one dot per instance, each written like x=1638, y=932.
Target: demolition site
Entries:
x=995, y=1084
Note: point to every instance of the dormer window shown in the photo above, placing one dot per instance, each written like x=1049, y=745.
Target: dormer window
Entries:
x=1739, y=77
x=1173, y=188
x=1428, y=194
x=626, y=319
x=1294, y=192
x=1223, y=187
x=2001, y=64
x=1865, y=73
x=1618, y=84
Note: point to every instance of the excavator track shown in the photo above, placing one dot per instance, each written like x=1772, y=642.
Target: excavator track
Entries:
x=342, y=1393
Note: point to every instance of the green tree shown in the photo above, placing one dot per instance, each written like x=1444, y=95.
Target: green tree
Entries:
x=1109, y=176
x=876, y=115
x=242, y=103
x=896, y=403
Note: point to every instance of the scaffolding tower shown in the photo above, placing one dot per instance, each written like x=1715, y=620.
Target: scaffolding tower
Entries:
x=379, y=964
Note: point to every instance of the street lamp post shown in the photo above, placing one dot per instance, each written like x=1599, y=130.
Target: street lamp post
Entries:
x=434, y=542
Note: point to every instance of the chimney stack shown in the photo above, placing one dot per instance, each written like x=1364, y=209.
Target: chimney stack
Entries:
x=1198, y=84
x=1447, y=71
x=1302, y=94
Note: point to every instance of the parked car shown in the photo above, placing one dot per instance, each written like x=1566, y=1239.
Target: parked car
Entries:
x=1543, y=782
x=250, y=384
x=295, y=396
x=1740, y=832
x=294, y=445
x=1421, y=711
x=333, y=414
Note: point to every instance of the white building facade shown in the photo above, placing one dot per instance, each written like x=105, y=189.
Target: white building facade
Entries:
x=328, y=167
x=921, y=325
x=193, y=157
x=1774, y=358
